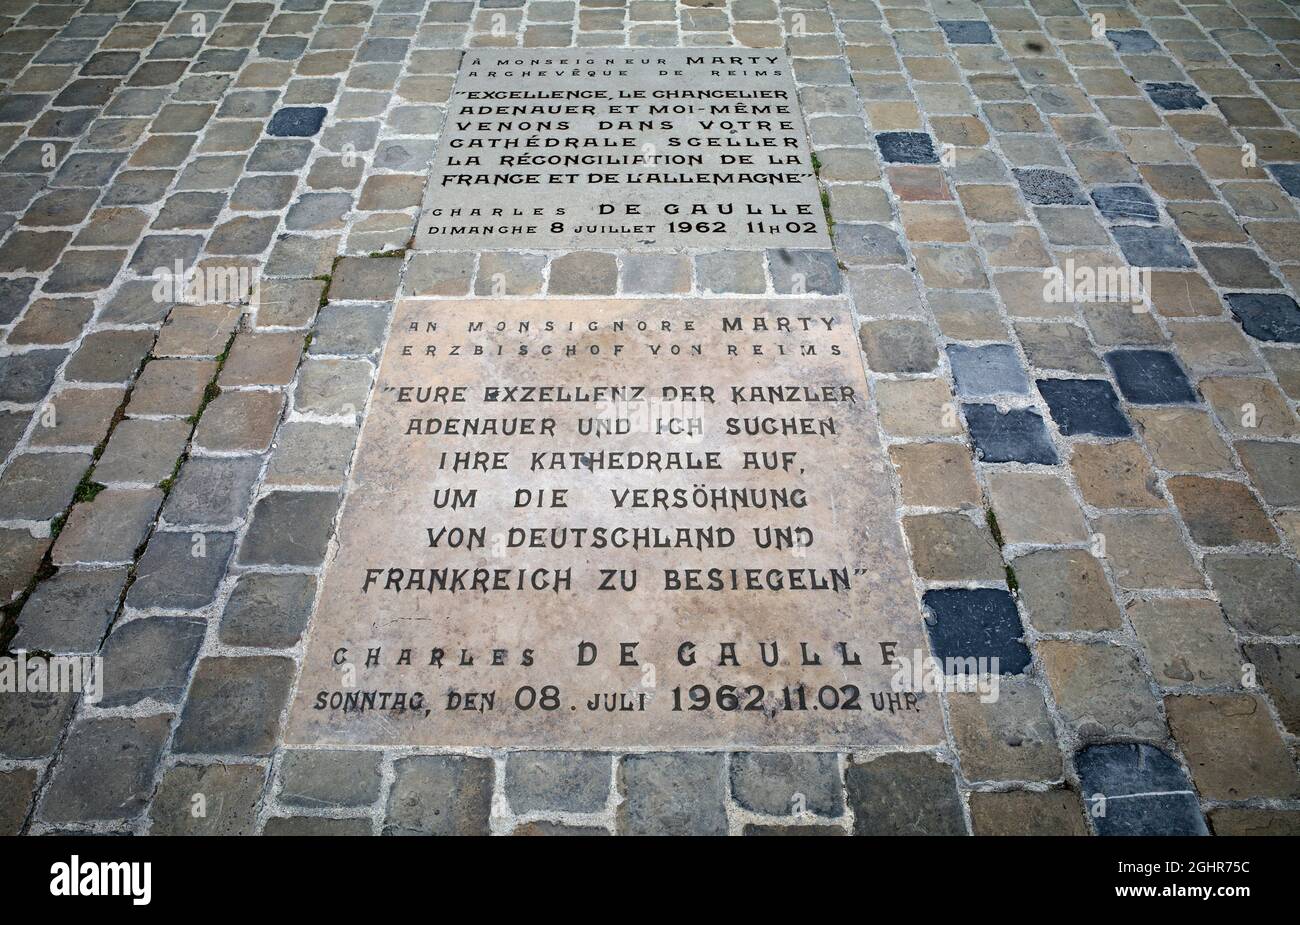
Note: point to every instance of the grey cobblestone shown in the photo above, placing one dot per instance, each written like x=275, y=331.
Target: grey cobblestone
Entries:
x=785, y=784
x=71, y=611
x=230, y=794
x=268, y=611
x=572, y=782
x=150, y=658
x=439, y=795
x=234, y=706
x=319, y=779
x=673, y=794
x=106, y=769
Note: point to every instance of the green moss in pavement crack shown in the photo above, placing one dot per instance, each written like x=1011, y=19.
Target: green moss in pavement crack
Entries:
x=992, y=520
x=325, y=278
x=86, y=490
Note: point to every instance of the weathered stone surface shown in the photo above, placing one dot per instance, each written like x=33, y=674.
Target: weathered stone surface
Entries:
x=81, y=417
x=1034, y=508
x=651, y=273
x=1232, y=747
x=1018, y=435
x=263, y=358
x=952, y=547
x=180, y=571
x=1100, y=690
x=1187, y=642
x=267, y=611
x=322, y=778
x=109, y=528
x=979, y=623
x=439, y=795
x=1114, y=475
x=904, y=794
x=384, y=470
x=1065, y=590
x=575, y=782
x=105, y=770
x=1278, y=672
x=289, y=528
x=1025, y=812
x=332, y=387
x=898, y=346
x=982, y=372
x=761, y=829
x=1150, y=377
x=234, y=706
x=1136, y=789
x=31, y=726
x=935, y=474
x=1084, y=406
x=1274, y=470
x=365, y=279
x=38, y=486
x=1219, y=512
x=1147, y=551
x=17, y=791
x=70, y=611
x=230, y=794
x=352, y=330
x=142, y=451
x=196, y=330
x=1258, y=593
x=543, y=828
x=150, y=658
x=584, y=273
x=211, y=490
x=781, y=784
x=109, y=356
x=672, y=794
x=239, y=422
x=563, y=213
x=312, y=455
x=1010, y=738
x=1229, y=820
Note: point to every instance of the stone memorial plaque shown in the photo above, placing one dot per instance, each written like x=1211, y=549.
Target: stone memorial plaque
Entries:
x=584, y=524
x=627, y=148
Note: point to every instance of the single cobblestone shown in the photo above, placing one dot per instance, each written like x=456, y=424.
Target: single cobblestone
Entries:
x=234, y=706
x=230, y=794
x=106, y=769
x=784, y=784
x=672, y=794
x=575, y=782
x=71, y=611
x=439, y=795
x=329, y=778
x=904, y=794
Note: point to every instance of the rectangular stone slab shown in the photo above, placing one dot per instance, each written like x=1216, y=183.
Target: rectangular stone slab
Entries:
x=438, y=564
x=612, y=147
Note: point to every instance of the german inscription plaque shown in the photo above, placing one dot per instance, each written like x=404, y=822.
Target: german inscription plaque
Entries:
x=616, y=147
x=583, y=524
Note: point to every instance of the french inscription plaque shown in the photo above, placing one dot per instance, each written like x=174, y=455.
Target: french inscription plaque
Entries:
x=586, y=524
x=627, y=148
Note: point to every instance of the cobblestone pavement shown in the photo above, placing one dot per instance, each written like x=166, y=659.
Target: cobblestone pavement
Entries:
x=1121, y=487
